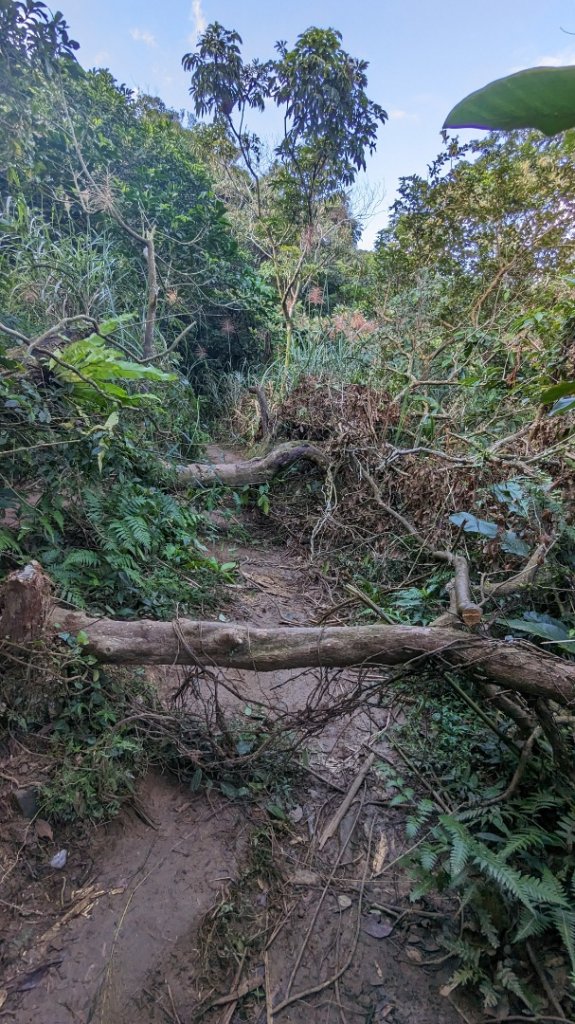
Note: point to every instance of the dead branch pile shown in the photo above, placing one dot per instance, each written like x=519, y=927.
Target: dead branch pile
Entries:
x=336, y=414
x=426, y=482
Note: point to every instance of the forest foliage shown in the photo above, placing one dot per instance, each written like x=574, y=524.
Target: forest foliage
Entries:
x=155, y=267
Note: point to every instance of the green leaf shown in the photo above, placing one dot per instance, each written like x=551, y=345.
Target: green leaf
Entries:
x=561, y=390
x=513, y=544
x=544, y=626
x=542, y=98
x=471, y=524
x=109, y=326
x=228, y=790
x=276, y=811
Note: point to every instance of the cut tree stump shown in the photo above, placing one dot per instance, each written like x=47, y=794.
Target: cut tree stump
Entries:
x=253, y=471
x=25, y=600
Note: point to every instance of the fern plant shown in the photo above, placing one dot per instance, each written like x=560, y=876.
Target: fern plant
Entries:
x=508, y=864
x=140, y=553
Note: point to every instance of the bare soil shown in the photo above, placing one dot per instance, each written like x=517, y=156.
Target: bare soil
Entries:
x=121, y=934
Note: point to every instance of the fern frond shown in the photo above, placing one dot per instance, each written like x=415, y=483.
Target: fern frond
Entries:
x=487, y=924
x=505, y=876
x=428, y=856
x=489, y=993
x=531, y=923
x=8, y=542
x=564, y=921
x=526, y=840
x=82, y=557
x=507, y=977
x=461, y=844
x=139, y=530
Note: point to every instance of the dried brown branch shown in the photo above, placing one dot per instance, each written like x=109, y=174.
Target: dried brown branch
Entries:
x=332, y=825
x=522, y=579
x=469, y=612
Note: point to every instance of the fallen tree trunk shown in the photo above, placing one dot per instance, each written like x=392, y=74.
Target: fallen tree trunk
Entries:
x=514, y=664
x=27, y=617
x=252, y=471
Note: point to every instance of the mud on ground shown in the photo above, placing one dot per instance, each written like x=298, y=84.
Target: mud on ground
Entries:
x=128, y=930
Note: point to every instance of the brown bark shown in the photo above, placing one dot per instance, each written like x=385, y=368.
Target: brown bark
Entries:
x=467, y=610
x=516, y=665
x=254, y=471
x=522, y=579
x=265, y=418
x=26, y=598
x=152, y=300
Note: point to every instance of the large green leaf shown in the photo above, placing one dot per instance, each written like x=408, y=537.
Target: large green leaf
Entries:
x=561, y=390
x=471, y=524
x=541, y=98
x=544, y=626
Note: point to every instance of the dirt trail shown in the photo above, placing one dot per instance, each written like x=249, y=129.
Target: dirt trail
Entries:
x=144, y=888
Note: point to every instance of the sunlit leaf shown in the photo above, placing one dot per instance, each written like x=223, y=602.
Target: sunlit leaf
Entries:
x=561, y=390
x=542, y=98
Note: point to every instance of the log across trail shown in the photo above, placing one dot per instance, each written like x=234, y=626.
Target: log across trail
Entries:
x=515, y=664
x=252, y=472
x=28, y=614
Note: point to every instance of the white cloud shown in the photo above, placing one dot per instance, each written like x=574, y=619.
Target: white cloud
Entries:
x=141, y=35
x=548, y=60
x=555, y=60
x=101, y=59
x=199, y=19
x=401, y=115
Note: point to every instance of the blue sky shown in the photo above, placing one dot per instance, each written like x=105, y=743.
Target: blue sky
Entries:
x=424, y=56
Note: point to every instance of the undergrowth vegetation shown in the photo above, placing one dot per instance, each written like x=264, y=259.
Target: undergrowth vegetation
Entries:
x=496, y=842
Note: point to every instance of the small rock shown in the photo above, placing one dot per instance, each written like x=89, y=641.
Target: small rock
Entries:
x=414, y=954
x=377, y=929
x=59, y=860
x=296, y=814
x=343, y=902
x=301, y=876
x=27, y=800
x=43, y=829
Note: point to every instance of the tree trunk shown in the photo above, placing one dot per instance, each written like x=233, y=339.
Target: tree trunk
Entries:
x=26, y=600
x=265, y=416
x=254, y=471
x=516, y=665
x=148, y=348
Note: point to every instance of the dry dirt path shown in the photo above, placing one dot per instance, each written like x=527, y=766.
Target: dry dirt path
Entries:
x=116, y=938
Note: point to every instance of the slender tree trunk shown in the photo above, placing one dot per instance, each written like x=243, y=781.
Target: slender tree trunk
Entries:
x=289, y=336
x=148, y=349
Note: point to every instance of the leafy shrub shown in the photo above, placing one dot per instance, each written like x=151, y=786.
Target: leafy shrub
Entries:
x=508, y=863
